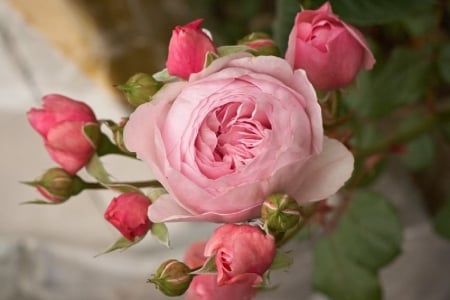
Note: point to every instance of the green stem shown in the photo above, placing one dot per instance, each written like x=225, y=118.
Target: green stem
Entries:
x=430, y=121
x=138, y=184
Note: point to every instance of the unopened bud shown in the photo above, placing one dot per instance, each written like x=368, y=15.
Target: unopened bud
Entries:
x=139, y=88
x=261, y=44
x=280, y=213
x=57, y=185
x=172, y=278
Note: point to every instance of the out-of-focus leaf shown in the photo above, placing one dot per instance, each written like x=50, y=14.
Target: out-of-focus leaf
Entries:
x=441, y=221
x=285, y=12
x=366, y=169
x=209, y=267
x=419, y=153
x=368, y=236
x=375, y=12
x=401, y=80
x=421, y=22
x=444, y=62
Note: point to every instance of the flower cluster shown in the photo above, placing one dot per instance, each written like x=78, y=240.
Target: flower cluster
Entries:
x=232, y=134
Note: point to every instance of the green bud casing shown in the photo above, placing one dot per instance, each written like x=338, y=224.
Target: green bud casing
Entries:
x=139, y=88
x=280, y=213
x=172, y=278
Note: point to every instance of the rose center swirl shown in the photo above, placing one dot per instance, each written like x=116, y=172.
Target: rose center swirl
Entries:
x=229, y=136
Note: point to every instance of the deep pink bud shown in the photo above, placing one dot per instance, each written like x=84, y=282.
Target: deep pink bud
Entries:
x=128, y=213
x=60, y=122
x=329, y=50
x=205, y=287
x=188, y=47
x=243, y=253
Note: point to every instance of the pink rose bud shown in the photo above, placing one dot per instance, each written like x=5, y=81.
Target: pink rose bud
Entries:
x=60, y=122
x=329, y=50
x=128, y=213
x=204, y=287
x=188, y=48
x=242, y=253
x=57, y=185
x=261, y=44
x=139, y=88
x=172, y=278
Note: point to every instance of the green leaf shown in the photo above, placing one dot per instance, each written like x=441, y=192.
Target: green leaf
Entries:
x=368, y=236
x=161, y=233
x=444, y=62
x=419, y=153
x=375, y=12
x=285, y=12
x=401, y=80
x=209, y=267
x=122, y=244
x=281, y=261
x=441, y=221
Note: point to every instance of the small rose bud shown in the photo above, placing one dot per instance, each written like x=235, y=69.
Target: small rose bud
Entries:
x=139, y=88
x=280, y=212
x=261, y=43
x=128, y=213
x=57, y=185
x=61, y=122
x=172, y=278
x=188, y=48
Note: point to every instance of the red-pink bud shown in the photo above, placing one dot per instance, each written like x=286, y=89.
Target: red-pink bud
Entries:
x=329, y=50
x=188, y=47
x=128, y=213
x=242, y=253
x=60, y=123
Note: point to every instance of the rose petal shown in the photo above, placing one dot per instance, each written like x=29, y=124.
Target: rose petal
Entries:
x=321, y=176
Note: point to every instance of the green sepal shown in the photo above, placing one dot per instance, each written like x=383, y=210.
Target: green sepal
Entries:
x=164, y=76
x=92, y=133
x=121, y=244
x=39, y=202
x=161, y=233
x=209, y=267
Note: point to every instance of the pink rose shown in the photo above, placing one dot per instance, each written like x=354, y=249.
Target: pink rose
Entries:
x=240, y=130
x=128, y=213
x=205, y=287
x=60, y=122
x=329, y=50
x=242, y=253
x=188, y=47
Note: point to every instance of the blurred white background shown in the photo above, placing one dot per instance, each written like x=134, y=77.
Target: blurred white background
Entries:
x=47, y=252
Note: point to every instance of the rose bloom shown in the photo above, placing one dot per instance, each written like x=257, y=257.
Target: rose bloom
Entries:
x=329, y=50
x=128, y=213
x=188, y=47
x=205, y=287
x=240, y=130
x=60, y=122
